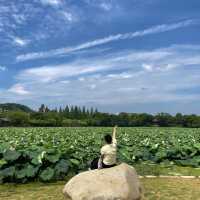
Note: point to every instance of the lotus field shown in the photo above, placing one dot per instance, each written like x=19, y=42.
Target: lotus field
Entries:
x=48, y=154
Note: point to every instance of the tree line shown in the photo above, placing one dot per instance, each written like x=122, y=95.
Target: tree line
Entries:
x=81, y=116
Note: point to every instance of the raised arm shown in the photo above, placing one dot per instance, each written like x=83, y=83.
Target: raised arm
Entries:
x=114, y=141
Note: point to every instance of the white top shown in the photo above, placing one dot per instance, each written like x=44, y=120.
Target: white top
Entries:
x=110, y=153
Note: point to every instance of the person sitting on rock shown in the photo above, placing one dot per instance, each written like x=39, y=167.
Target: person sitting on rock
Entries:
x=109, y=151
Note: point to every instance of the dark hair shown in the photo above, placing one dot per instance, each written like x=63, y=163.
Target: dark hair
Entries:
x=108, y=139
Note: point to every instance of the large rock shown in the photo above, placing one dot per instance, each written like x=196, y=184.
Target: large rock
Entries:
x=116, y=183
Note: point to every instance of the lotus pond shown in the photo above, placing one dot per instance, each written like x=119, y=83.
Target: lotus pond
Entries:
x=49, y=154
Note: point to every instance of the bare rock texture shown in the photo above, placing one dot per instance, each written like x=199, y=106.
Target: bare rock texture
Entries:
x=116, y=183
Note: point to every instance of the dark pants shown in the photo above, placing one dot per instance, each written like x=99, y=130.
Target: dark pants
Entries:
x=94, y=164
x=108, y=166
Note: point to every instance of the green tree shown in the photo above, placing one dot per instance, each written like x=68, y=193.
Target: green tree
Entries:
x=18, y=118
x=42, y=108
x=66, y=111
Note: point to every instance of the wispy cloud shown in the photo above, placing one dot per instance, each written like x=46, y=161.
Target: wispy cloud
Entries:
x=54, y=3
x=3, y=68
x=56, y=72
x=106, y=6
x=164, y=67
x=148, y=67
x=111, y=38
x=13, y=16
x=19, y=18
x=141, y=77
x=123, y=75
x=68, y=16
x=18, y=89
x=20, y=42
x=15, y=19
x=154, y=61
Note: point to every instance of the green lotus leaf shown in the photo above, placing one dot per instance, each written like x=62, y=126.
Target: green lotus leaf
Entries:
x=159, y=156
x=47, y=174
x=189, y=162
x=197, y=146
x=125, y=154
x=53, y=158
x=1, y=177
x=51, y=151
x=2, y=163
x=62, y=167
x=8, y=172
x=20, y=174
x=11, y=155
x=31, y=171
x=75, y=162
x=3, y=147
x=37, y=158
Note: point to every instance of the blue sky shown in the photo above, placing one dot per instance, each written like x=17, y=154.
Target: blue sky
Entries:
x=130, y=55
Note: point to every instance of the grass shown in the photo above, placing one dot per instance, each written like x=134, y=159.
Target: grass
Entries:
x=148, y=168
x=171, y=189
x=154, y=189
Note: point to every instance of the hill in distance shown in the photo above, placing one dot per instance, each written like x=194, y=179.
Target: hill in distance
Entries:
x=15, y=107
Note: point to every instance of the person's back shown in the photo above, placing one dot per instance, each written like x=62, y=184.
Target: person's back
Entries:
x=109, y=151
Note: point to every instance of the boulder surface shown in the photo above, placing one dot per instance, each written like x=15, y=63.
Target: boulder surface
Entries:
x=116, y=183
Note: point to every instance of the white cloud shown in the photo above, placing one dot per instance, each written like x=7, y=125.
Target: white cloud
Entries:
x=20, y=42
x=131, y=63
x=19, y=18
x=93, y=86
x=161, y=67
x=13, y=16
x=81, y=79
x=40, y=36
x=18, y=89
x=152, y=30
x=148, y=67
x=3, y=68
x=68, y=16
x=168, y=67
x=124, y=75
x=65, y=81
x=118, y=80
x=52, y=73
x=45, y=21
x=106, y=6
x=54, y=3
